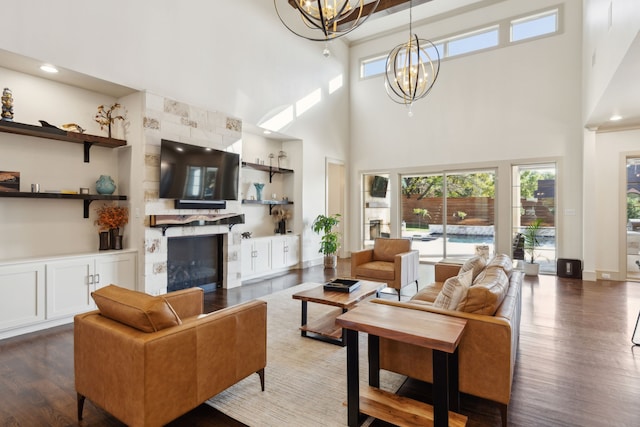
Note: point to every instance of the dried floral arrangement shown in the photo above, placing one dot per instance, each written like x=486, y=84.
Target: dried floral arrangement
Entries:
x=105, y=116
x=111, y=216
x=280, y=213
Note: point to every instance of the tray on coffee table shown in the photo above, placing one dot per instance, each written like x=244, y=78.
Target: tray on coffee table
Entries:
x=342, y=285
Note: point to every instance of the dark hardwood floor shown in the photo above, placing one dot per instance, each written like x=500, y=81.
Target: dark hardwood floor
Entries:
x=576, y=363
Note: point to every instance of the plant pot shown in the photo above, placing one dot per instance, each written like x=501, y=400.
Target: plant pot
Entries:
x=330, y=261
x=531, y=269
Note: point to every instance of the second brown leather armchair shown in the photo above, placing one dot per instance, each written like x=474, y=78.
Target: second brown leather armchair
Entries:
x=390, y=261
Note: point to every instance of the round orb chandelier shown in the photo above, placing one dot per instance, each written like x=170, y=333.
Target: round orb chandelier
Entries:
x=323, y=20
x=411, y=70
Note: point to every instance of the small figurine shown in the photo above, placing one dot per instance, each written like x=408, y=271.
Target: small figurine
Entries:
x=246, y=235
x=73, y=127
x=7, y=105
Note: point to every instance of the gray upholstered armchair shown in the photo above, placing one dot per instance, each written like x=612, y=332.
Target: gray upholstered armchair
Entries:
x=390, y=261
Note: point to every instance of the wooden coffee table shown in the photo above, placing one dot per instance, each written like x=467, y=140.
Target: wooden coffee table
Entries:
x=324, y=328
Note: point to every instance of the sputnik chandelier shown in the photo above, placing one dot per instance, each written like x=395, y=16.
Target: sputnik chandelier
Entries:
x=412, y=69
x=323, y=20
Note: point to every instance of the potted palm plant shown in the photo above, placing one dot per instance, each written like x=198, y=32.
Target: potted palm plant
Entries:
x=330, y=240
x=531, y=242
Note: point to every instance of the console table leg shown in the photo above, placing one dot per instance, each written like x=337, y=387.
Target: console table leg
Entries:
x=454, y=391
x=353, y=380
x=374, y=361
x=303, y=322
x=440, y=389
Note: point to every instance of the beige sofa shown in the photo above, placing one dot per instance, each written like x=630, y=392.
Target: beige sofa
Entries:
x=488, y=349
x=148, y=360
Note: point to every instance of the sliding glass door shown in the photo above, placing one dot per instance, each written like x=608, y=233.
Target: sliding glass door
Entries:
x=449, y=215
x=633, y=218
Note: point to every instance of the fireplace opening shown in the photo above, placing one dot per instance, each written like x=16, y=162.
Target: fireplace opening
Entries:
x=195, y=261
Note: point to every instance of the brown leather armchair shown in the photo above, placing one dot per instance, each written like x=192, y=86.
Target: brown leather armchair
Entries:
x=390, y=261
x=163, y=357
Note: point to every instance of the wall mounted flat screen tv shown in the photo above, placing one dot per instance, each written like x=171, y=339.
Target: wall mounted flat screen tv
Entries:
x=197, y=173
x=379, y=186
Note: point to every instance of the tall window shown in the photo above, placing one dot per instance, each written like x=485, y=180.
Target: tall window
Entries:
x=534, y=201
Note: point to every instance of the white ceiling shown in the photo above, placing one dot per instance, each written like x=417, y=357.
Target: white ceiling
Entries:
x=622, y=96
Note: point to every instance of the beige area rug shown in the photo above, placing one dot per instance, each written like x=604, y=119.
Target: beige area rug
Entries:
x=305, y=379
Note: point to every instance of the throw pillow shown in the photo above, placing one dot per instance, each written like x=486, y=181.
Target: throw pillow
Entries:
x=475, y=264
x=503, y=261
x=453, y=291
x=136, y=309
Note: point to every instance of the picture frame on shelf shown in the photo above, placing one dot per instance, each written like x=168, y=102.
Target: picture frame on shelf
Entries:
x=9, y=181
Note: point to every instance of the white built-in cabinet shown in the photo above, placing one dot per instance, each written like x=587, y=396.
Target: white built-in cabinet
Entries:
x=266, y=255
x=48, y=292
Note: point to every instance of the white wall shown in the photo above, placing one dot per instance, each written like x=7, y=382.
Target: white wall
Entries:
x=515, y=104
x=234, y=57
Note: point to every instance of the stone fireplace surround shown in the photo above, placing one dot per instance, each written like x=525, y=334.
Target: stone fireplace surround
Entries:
x=176, y=121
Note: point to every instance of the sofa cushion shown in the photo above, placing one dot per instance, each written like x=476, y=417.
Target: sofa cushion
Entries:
x=487, y=292
x=136, y=309
x=382, y=270
x=454, y=290
x=503, y=261
x=475, y=264
x=429, y=293
x=387, y=249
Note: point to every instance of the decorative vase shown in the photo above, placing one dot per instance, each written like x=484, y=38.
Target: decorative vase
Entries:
x=105, y=185
x=330, y=261
x=115, y=238
x=7, y=105
x=104, y=240
x=259, y=188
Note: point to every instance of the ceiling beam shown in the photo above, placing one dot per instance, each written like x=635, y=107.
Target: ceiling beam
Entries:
x=382, y=6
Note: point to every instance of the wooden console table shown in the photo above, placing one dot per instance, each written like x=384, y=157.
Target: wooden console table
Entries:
x=438, y=332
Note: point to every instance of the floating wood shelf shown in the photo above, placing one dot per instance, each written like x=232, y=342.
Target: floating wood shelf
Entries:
x=61, y=135
x=271, y=169
x=166, y=221
x=87, y=198
x=270, y=203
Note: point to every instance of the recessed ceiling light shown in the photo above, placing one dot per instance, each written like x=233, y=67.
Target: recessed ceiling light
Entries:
x=266, y=132
x=615, y=118
x=48, y=68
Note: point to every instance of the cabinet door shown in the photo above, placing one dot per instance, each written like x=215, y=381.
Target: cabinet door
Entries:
x=22, y=290
x=116, y=269
x=247, y=257
x=262, y=260
x=293, y=251
x=278, y=253
x=69, y=286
